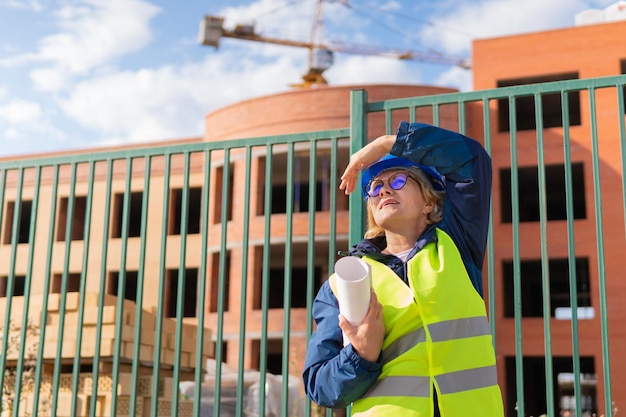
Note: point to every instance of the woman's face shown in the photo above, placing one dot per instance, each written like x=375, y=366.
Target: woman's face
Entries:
x=399, y=209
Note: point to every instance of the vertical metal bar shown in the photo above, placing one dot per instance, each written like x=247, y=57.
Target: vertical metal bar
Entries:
x=46, y=286
x=310, y=281
x=571, y=250
x=26, y=325
x=56, y=378
x=388, y=120
x=181, y=282
x=517, y=291
x=244, y=284
x=288, y=277
x=436, y=114
x=606, y=359
x=545, y=260
x=102, y=287
x=358, y=139
x=461, y=109
x=332, y=233
x=82, y=288
x=121, y=281
x=622, y=139
x=267, y=245
x=140, y=285
x=11, y=278
x=158, y=339
x=491, y=262
x=204, y=230
x=222, y=281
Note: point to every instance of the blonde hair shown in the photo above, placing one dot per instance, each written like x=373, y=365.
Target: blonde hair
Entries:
x=428, y=192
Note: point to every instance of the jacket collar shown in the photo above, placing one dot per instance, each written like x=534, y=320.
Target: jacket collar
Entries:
x=373, y=247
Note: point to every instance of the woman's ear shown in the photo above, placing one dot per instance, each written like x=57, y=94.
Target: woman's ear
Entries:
x=429, y=207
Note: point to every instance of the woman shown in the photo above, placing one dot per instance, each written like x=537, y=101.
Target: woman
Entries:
x=425, y=347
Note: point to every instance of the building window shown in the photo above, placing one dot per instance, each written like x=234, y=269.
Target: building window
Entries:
x=19, y=284
x=528, y=193
x=218, y=196
x=531, y=284
x=216, y=290
x=190, y=285
x=273, y=358
x=298, y=286
x=23, y=223
x=78, y=218
x=73, y=283
x=535, y=386
x=550, y=104
x=134, y=214
x=130, y=285
x=300, y=184
x=300, y=195
x=276, y=274
x=194, y=209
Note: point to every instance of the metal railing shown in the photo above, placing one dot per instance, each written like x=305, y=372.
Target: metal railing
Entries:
x=126, y=275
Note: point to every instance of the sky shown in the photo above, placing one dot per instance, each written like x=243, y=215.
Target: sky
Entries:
x=78, y=74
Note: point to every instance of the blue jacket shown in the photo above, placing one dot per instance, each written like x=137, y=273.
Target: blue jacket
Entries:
x=334, y=376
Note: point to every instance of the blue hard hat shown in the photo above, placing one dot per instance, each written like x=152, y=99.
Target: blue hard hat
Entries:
x=391, y=161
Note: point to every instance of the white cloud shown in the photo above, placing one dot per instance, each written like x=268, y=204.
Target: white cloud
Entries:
x=171, y=102
x=34, y=5
x=20, y=112
x=11, y=133
x=367, y=69
x=93, y=33
x=490, y=18
x=456, y=77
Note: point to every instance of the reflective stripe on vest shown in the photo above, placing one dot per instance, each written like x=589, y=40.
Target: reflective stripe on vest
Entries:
x=419, y=386
x=439, y=332
x=436, y=335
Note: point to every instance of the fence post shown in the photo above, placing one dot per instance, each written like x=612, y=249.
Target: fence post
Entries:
x=358, y=139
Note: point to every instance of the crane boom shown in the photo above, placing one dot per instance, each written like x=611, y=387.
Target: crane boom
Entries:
x=212, y=29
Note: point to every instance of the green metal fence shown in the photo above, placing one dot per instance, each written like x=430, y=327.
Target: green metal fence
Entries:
x=125, y=275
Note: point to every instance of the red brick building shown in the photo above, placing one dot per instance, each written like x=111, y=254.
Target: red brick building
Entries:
x=579, y=52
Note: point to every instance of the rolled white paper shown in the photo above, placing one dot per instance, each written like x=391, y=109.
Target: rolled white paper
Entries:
x=354, y=283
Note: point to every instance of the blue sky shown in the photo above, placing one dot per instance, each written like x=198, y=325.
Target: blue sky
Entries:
x=88, y=73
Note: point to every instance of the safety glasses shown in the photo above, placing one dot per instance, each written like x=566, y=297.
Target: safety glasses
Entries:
x=396, y=182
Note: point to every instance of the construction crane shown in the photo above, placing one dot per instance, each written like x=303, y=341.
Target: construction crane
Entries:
x=321, y=54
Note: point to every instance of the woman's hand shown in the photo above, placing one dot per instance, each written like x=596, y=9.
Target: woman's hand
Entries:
x=363, y=158
x=367, y=337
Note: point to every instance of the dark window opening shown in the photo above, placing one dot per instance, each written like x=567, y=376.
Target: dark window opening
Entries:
x=216, y=290
x=301, y=197
x=19, y=284
x=298, y=286
x=194, y=209
x=23, y=222
x=73, y=283
x=134, y=214
x=273, y=357
x=190, y=288
x=550, y=105
x=531, y=284
x=78, y=218
x=83, y=368
x=299, y=182
x=129, y=292
x=220, y=193
x=535, y=389
x=528, y=193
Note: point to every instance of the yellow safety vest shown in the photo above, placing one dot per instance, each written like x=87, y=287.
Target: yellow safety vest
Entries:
x=436, y=335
